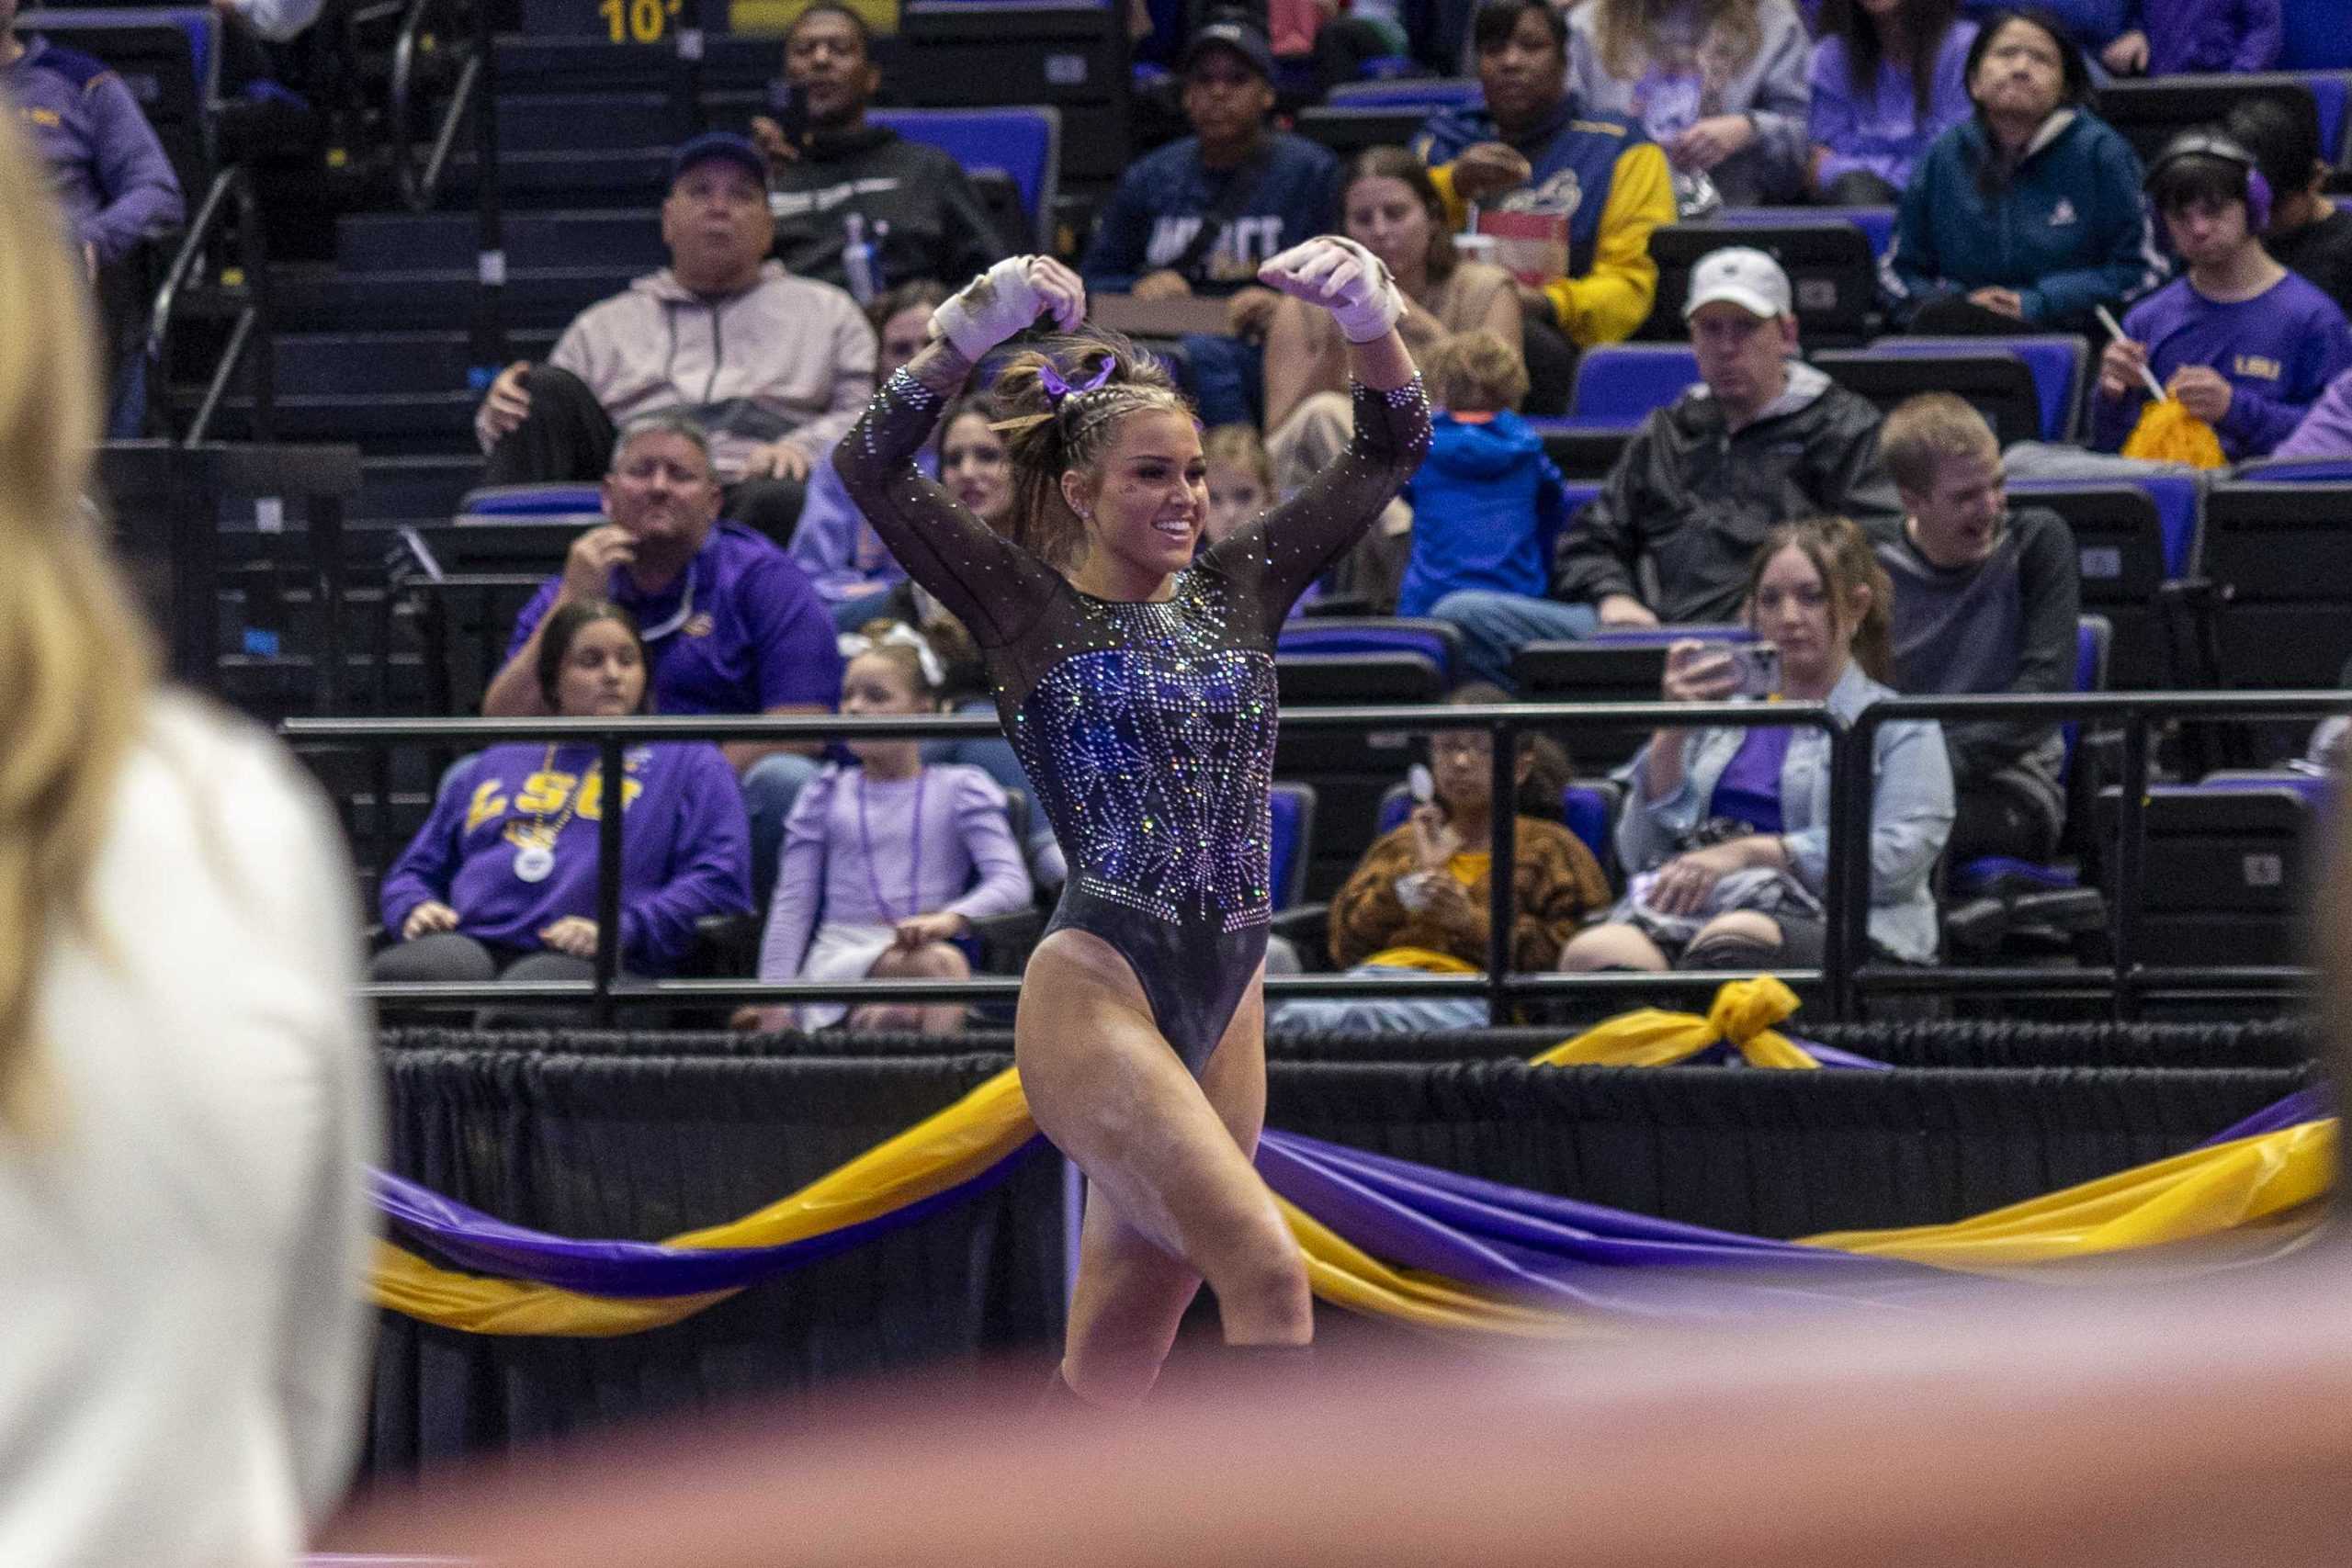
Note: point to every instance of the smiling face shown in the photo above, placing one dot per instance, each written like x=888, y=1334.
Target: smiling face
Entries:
x=825, y=58
x=2022, y=75
x=1525, y=74
x=976, y=468
x=603, y=673
x=717, y=225
x=1143, y=502
x=1957, y=520
x=1792, y=609
x=1386, y=215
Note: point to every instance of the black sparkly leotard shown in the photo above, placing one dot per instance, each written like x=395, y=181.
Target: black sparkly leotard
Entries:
x=1147, y=729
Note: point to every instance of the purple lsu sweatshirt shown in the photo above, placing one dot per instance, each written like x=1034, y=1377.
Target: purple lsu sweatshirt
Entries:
x=2278, y=351
x=686, y=846
x=2210, y=35
x=105, y=164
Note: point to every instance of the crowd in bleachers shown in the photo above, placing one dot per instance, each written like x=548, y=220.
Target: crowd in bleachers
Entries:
x=1674, y=513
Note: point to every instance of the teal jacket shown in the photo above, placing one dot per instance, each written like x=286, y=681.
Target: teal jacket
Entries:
x=2070, y=229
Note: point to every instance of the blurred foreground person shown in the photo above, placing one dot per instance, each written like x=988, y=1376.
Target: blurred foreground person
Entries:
x=186, y=1101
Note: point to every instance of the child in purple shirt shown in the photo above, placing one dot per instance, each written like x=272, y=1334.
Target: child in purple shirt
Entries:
x=502, y=878
x=887, y=863
x=2244, y=344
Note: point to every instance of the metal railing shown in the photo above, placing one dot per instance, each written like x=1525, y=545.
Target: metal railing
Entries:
x=1503, y=723
x=229, y=195
x=1841, y=984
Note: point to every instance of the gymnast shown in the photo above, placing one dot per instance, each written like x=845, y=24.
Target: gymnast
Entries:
x=1137, y=682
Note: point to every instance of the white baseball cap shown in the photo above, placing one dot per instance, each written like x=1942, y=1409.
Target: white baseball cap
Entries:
x=1747, y=278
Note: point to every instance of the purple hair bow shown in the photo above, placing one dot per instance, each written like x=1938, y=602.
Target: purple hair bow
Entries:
x=1056, y=389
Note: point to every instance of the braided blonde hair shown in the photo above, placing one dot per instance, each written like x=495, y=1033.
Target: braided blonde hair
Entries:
x=1047, y=436
x=77, y=658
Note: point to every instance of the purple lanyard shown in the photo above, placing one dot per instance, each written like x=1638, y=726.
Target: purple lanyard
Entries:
x=914, y=868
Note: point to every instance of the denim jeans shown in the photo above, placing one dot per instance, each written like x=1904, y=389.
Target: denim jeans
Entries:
x=1495, y=625
x=1228, y=376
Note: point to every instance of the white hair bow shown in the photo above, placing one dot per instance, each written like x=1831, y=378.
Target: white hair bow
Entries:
x=901, y=635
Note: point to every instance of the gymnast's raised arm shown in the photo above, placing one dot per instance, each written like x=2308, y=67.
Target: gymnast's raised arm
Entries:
x=1299, y=538
x=991, y=584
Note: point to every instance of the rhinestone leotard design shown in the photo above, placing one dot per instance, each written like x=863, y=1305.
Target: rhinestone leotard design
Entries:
x=1147, y=729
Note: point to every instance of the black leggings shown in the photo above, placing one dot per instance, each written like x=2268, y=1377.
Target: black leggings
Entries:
x=452, y=956
x=568, y=438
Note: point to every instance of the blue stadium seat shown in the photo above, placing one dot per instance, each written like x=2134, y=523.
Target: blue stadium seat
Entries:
x=1439, y=642
x=1407, y=91
x=201, y=24
x=1292, y=842
x=1589, y=806
x=2297, y=471
x=1624, y=381
x=2059, y=364
x=2317, y=38
x=2328, y=91
x=2133, y=538
x=2223, y=871
x=1024, y=141
x=1981, y=877
x=536, y=502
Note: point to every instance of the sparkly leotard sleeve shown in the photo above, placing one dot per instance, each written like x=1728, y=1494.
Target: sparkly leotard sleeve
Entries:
x=1146, y=728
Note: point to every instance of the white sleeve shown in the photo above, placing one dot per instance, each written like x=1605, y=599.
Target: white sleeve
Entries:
x=279, y=20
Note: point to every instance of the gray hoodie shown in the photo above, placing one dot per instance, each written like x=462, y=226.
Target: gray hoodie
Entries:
x=787, y=360
x=1772, y=86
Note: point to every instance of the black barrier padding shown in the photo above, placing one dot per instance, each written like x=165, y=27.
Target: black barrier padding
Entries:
x=597, y=1147
x=2277, y=1043
x=594, y=1145
x=1773, y=1154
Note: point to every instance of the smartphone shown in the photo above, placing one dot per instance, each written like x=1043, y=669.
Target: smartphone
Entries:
x=1423, y=785
x=1756, y=669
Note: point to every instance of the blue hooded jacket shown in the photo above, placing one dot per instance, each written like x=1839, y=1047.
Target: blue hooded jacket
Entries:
x=2069, y=230
x=1486, y=506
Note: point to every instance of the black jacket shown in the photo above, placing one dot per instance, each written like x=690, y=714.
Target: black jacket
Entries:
x=1694, y=501
x=937, y=226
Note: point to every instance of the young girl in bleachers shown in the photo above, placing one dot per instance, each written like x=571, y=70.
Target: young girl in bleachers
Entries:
x=1241, y=479
x=886, y=862
x=1487, y=502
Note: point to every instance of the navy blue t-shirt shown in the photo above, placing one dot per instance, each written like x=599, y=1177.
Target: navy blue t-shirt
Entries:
x=1159, y=203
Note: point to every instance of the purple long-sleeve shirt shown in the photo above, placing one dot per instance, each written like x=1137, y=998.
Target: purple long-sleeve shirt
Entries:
x=834, y=544
x=2326, y=430
x=2278, y=351
x=108, y=170
x=686, y=846
x=1882, y=131
x=850, y=856
x=2210, y=35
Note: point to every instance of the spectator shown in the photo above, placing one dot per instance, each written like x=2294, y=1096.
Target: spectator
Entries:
x=1203, y=213
x=775, y=366
x=853, y=569
x=1986, y=600
x=1728, y=829
x=500, y=882
x=1485, y=500
x=2307, y=233
x=1418, y=900
x=1532, y=146
x=732, y=626
x=2172, y=37
x=911, y=204
x=111, y=177
x=1765, y=439
x=2241, y=343
x=1719, y=84
x=2326, y=431
x=1888, y=78
x=1391, y=207
x=188, y=1092
x=855, y=867
x=2029, y=216
x=1240, y=480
